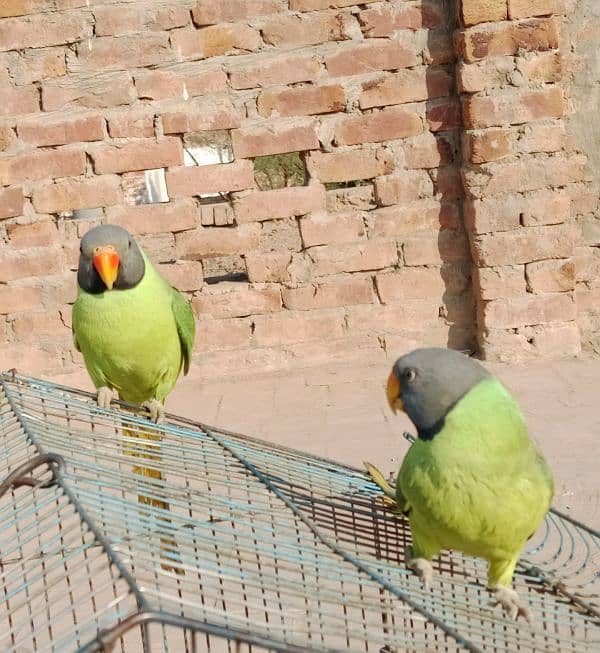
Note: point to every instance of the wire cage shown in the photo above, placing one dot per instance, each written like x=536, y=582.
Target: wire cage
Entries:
x=120, y=535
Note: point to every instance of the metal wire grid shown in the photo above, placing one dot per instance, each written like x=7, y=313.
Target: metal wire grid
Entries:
x=260, y=547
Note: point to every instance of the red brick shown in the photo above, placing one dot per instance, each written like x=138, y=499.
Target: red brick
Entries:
x=523, y=245
x=144, y=154
x=435, y=248
x=532, y=309
x=290, y=69
x=489, y=145
x=279, y=203
x=18, y=101
x=486, y=74
x=393, y=221
x=155, y=218
x=16, y=298
x=376, y=54
x=302, y=100
x=41, y=30
x=542, y=137
x=428, y=151
x=345, y=292
x=378, y=126
x=102, y=90
x=439, y=48
x=110, y=52
x=353, y=198
x=402, y=187
x=332, y=228
x=31, y=262
x=411, y=85
x=216, y=40
x=214, y=241
x=353, y=257
x=268, y=267
x=443, y=114
x=275, y=138
x=131, y=124
x=527, y=8
x=31, y=326
x=72, y=194
x=507, y=38
x=499, y=282
x=304, y=29
x=447, y=182
x=200, y=115
x=207, y=12
x=556, y=275
x=512, y=107
x=33, y=234
x=184, y=181
x=183, y=275
x=312, y=5
x=385, y=20
x=159, y=84
x=347, y=166
x=42, y=164
x=53, y=129
x=410, y=283
x=482, y=11
x=11, y=202
x=36, y=65
x=235, y=301
x=117, y=20
x=297, y=326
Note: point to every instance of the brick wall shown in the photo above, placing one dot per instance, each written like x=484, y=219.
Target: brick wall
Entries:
x=320, y=177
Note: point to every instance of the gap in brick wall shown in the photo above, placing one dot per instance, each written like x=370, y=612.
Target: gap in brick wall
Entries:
x=355, y=183
x=280, y=171
x=208, y=148
x=217, y=269
x=147, y=187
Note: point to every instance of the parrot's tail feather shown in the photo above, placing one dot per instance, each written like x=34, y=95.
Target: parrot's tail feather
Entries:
x=380, y=480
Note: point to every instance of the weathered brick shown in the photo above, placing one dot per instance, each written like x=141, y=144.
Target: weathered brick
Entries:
x=183, y=275
x=542, y=68
x=290, y=69
x=482, y=11
x=489, y=145
x=542, y=137
x=376, y=54
x=374, y=127
x=101, y=90
x=303, y=100
x=19, y=101
x=31, y=326
x=131, y=124
x=279, y=203
x=428, y=151
x=11, y=202
x=523, y=245
x=588, y=300
x=33, y=234
x=201, y=115
x=117, y=20
x=355, y=198
x=111, y=52
x=410, y=283
x=41, y=30
x=443, y=114
x=7, y=137
x=235, y=301
x=330, y=228
x=297, y=326
x=313, y=5
x=446, y=246
x=587, y=263
x=36, y=65
x=268, y=267
x=16, y=298
x=507, y=39
x=212, y=41
x=207, y=12
x=438, y=47
x=527, y=8
x=530, y=309
x=412, y=315
x=393, y=221
x=30, y=359
x=447, y=182
x=219, y=335
x=499, y=282
x=42, y=164
x=10, y=8
x=347, y=166
x=275, y=138
x=144, y=154
x=411, y=85
x=302, y=29
x=184, y=181
x=213, y=241
x=353, y=257
x=489, y=73
x=55, y=129
x=155, y=218
x=30, y=262
x=183, y=82
x=344, y=292
x=385, y=20
x=72, y=194
x=402, y=187
x=554, y=275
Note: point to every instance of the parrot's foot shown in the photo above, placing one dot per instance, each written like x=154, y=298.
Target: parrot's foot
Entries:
x=509, y=600
x=421, y=567
x=104, y=396
x=155, y=408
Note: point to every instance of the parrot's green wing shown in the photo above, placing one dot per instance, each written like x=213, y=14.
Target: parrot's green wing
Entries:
x=186, y=326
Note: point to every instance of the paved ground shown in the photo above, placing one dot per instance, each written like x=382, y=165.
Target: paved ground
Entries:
x=339, y=411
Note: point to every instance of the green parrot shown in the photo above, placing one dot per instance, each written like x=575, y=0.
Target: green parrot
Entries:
x=473, y=480
x=134, y=330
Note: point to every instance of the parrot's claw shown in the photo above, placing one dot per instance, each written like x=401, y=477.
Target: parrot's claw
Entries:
x=421, y=567
x=509, y=600
x=104, y=396
x=155, y=408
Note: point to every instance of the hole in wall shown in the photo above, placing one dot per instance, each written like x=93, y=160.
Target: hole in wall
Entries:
x=147, y=187
x=208, y=148
x=336, y=185
x=280, y=171
x=224, y=268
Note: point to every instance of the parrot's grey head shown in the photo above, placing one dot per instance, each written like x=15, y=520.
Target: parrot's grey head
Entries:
x=427, y=383
x=109, y=258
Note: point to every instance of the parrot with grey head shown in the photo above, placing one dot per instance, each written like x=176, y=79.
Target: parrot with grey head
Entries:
x=473, y=480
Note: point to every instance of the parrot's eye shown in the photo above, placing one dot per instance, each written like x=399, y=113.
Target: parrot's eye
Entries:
x=409, y=374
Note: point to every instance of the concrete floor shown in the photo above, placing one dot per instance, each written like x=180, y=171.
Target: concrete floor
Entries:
x=339, y=410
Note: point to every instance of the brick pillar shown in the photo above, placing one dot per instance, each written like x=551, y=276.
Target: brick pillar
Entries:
x=517, y=174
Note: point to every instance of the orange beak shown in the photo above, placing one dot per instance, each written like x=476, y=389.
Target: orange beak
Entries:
x=106, y=262
x=393, y=393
